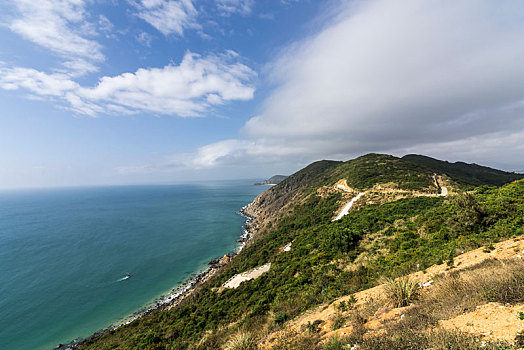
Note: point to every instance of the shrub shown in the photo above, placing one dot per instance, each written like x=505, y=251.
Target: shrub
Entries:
x=342, y=306
x=401, y=291
x=519, y=339
x=335, y=343
x=345, y=306
x=338, y=321
x=488, y=248
x=358, y=322
x=280, y=317
x=313, y=327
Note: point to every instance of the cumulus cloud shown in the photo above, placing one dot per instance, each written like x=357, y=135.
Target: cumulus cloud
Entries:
x=168, y=16
x=228, y=7
x=57, y=25
x=188, y=89
x=391, y=75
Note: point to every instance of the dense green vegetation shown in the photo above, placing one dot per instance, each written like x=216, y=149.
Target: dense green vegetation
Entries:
x=361, y=173
x=371, y=169
x=330, y=259
x=472, y=174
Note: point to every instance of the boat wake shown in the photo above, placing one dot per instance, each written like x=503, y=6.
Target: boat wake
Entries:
x=124, y=278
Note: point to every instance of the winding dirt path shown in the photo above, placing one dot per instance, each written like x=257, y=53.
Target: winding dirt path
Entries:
x=347, y=207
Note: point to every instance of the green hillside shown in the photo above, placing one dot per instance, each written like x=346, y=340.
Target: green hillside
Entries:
x=328, y=258
x=471, y=174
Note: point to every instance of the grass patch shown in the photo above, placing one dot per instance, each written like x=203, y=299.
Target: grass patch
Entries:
x=295, y=341
x=401, y=291
x=241, y=341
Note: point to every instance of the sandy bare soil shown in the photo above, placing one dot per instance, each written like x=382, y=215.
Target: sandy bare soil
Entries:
x=236, y=280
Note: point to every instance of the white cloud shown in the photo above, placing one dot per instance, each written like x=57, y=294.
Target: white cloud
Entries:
x=57, y=25
x=168, y=16
x=144, y=39
x=37, y=82
x=188, y=89
x=387, y=75
x=228, y=7
x=78, y=67
x=105, y=24
x=211, y=155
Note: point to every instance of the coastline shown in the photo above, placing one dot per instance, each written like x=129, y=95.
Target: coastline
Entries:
x=181, y=291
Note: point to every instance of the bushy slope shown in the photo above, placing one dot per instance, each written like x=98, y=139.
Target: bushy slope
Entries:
x=361, y=173
x=472, y=174
x=366, y=171
x=328, y=259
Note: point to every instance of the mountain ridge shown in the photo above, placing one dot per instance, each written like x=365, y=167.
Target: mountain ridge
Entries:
x=469, y=173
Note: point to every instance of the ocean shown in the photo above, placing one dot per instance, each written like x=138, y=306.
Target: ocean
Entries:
x=65, y=253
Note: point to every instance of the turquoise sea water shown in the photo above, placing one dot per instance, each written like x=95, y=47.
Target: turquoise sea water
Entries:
x=64, y=252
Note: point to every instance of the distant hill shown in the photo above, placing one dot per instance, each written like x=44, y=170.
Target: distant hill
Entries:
x=471, y=174
x=273, y=180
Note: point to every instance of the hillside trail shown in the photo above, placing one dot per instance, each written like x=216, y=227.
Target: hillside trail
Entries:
x=342, y=185
x=491, y=321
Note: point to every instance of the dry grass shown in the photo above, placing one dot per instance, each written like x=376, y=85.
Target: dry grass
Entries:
x=296, y=341
x=241, y=341
x=401, y=291
x=454, y=294
x=461, y=292
x=431, y=340
x=491, y=281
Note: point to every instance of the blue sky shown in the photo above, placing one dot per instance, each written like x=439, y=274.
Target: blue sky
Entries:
x=99, y=92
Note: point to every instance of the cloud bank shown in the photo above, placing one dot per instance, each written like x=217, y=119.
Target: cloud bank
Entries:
x=390, y=76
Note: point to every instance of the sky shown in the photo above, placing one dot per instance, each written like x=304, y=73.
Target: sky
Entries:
x=117, y=92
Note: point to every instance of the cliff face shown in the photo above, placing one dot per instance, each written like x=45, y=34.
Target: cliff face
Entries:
x=275, y=201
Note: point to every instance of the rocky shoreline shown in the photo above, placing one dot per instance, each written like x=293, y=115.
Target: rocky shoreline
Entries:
x=179, y=293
